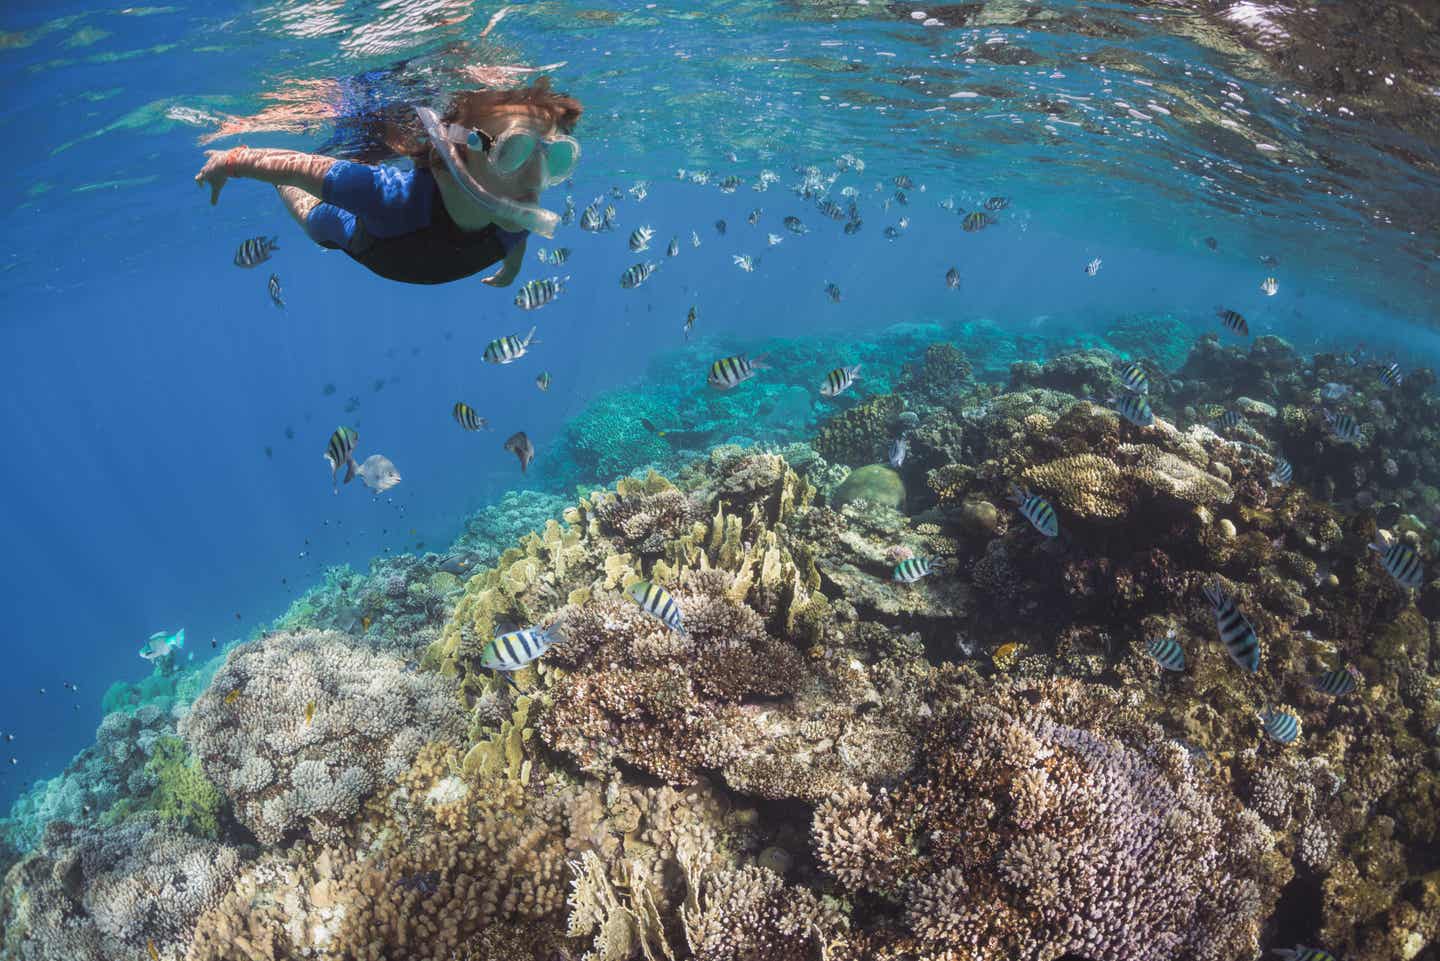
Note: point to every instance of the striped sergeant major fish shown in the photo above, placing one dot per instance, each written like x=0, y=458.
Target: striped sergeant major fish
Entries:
x=833, y=292
x=997, y=203
x=1167, y=652
x=720, y=227
x=591, y=220
x=1391, y=376
x=728, y=372
x=976, y=220
x=1233, y=321
x=690, y=319
x=745, y=262
x=637, y=274
x=674, y=249
x=1281, y=725
x=510, y=348
x=795, y=225
x=273, y=286
x=840, y=380
x=1269, y=286
x=1402, y=562
x=540, y=291
x=513, y=650
x=753, y=217
x=640, y=238
x=255, y=251
x=1282, y=473
x=554, y=257
x=853, y=225
x=1336, y=683
x=654, y=599
x=1093, y=267
x=567, y=217
x=1344, y=427
x=607, y=222
x=1238, y=636
x=831, y=209
x=1037, y=511
x=903, y=181
x=466, y=417
x=1302, y=953
x=1136, y=379
x=1227, y=420
x=694, y=239
x=542, y=380
x=341, y=451
x=1134, y=408
x=912, y=569
x=952, y=279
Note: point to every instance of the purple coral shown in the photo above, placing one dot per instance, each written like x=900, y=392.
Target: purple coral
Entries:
x=1043, y=830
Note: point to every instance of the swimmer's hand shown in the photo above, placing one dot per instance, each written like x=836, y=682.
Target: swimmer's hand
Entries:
x=216, y=171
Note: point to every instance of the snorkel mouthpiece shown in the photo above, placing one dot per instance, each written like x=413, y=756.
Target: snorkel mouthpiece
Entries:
x=528, y=216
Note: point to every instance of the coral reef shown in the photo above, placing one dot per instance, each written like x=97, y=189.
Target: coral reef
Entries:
x=825, y=762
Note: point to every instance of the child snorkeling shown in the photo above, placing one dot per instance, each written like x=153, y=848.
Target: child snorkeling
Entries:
x=433, y=223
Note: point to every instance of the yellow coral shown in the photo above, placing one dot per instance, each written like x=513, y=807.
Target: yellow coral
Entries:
x=1084, y=486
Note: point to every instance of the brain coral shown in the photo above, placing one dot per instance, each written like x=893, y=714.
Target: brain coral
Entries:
x=1048, y=830
x=289, y=768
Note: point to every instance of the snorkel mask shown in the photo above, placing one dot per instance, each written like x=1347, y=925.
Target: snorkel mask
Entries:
x=503, y=154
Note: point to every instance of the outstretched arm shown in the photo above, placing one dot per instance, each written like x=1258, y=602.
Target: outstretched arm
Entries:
x=509, y=267
x=283, y=168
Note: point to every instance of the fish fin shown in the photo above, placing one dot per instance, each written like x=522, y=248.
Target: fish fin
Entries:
x=349, y=470
x=759, y=362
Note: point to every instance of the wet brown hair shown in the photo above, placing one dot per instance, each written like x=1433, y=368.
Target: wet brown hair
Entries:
x=400, y=136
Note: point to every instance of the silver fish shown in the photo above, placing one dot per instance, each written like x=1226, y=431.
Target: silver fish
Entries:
x=378, y=473
x=898, y=450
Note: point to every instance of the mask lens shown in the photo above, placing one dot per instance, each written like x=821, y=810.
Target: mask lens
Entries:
x=513, y=152
x=560, y=158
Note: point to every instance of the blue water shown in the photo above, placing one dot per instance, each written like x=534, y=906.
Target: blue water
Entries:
x=146, y=376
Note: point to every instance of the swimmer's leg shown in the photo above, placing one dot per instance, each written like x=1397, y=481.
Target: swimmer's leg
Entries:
x=326, y=224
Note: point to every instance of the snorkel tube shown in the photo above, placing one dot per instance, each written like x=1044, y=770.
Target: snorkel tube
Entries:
x=528, y=216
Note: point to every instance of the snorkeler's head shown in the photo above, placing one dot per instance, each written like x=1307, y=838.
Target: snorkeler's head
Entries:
x=518, y=139
x=501, y=148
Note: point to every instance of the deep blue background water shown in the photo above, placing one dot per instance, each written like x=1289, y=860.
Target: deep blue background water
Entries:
x=145, y=375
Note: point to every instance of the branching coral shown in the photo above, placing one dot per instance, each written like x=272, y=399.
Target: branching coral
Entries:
x=298, y=729
x=1053, y=824
x=97, y=895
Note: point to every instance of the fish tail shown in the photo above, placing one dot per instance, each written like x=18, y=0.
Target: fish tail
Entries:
x=349, y=470
x=274, y=242
x=530, y=337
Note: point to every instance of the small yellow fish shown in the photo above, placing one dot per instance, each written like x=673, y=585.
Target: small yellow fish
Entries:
x=154, y=955
x=309, y=713
x=365, y=623
x=232, y=697
x=1005, y=656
